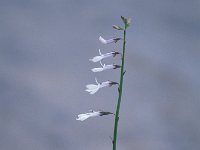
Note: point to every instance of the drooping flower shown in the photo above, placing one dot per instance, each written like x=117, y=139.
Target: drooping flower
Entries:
x=102, y=56
x=93, y=88
x=112, y=40
x=105, y=67
x=92, y=113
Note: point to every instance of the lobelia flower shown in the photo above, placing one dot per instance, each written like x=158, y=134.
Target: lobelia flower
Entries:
x=102, y=56
x=105, y=67
x=92, y=113
x=113, y=40
x=93, y=88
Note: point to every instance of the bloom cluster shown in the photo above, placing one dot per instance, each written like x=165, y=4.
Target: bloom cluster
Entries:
x=93, y=88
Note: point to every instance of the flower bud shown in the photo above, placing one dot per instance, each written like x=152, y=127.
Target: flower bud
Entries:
x=126, y=21
x=117, y=27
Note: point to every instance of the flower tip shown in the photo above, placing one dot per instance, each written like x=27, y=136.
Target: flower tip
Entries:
x=123, y=19
x=102, y=40
x=126, y=21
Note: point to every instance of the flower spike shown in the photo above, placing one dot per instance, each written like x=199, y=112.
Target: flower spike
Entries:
x=113, y=40
x=102, y=56
x=93, y=88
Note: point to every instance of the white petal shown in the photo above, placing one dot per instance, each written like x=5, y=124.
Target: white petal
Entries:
x=91, y=86
x=102, y=40
x=94, y=91
x=82, y=117
x=97, y=69
x=104, y=84
x=96, y=58
x=104, y=67
x=100, y=52
x=85, y=116
x=110, y=41
x=87, y=90
x=96, y=81
x=108, y=54
x=108, y=67
x=102, y=56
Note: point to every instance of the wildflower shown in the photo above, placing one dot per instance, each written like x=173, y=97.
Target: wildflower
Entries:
x=93, y=88
x=102, y=56
x=92, y=113
x=105, y=67
x=102, y=40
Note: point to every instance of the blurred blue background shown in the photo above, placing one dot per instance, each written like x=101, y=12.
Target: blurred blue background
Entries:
x=44, y=50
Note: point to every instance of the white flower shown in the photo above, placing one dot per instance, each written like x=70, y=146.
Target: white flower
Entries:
x=105, y=67
x=85, y=116
x=93, y=88
x=92, y=113
x=102, y=56
x=113, y=40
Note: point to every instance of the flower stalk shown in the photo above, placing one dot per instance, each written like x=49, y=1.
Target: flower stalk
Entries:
x=93, y=88
x=120, y=87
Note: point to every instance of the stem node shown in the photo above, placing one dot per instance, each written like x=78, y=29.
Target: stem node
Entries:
x=124, y=72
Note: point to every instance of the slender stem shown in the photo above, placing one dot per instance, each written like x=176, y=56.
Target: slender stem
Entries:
x=120, y=93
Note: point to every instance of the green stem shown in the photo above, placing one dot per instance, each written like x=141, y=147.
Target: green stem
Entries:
x=120, y=93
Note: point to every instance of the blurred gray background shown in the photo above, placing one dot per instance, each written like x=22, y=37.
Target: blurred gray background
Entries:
x=44, y=50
